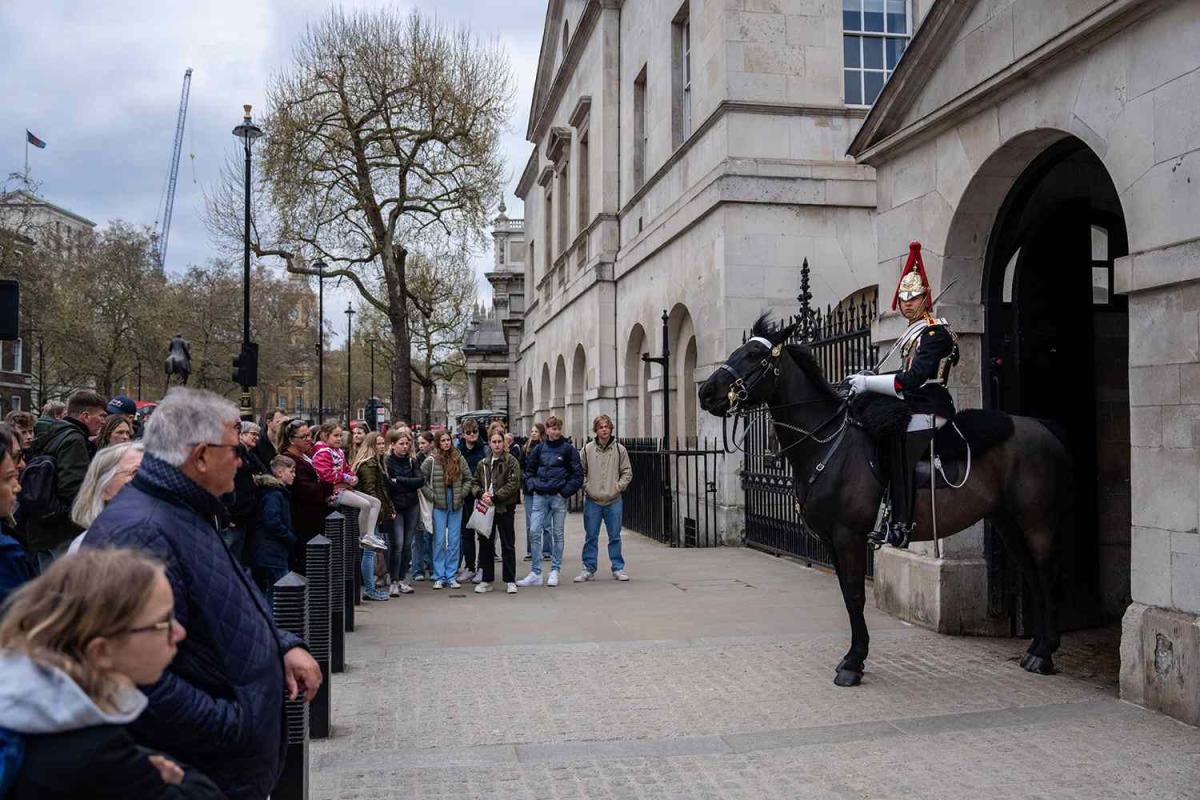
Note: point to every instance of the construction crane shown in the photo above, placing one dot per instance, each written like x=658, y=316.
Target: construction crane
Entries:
x=168, y=203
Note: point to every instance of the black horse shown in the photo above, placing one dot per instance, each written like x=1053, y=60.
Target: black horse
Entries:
x=1021, y=484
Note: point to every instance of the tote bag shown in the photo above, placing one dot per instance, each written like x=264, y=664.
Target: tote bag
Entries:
x=483, y=517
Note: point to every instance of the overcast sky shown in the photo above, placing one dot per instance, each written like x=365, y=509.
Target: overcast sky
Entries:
x=100, y=84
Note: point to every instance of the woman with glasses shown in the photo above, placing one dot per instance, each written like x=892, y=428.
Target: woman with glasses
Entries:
x=75, y=644
x=309, y=496
x=110, y=470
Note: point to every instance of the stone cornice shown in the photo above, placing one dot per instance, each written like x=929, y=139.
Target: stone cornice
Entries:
x=735, y=107
x=582, y=108
x=527, y=175
x=558, y=141
x=875, y=141
x=545, y=100
x=546, y=175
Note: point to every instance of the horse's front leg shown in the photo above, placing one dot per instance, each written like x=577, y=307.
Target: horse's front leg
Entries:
x=850, y=561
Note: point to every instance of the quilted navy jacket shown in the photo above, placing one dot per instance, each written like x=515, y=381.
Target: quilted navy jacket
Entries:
x=219, y=706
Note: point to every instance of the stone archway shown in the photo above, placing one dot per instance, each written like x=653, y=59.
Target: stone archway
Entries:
x=681, y=333
x=635, y=415
x=544, y=399
x=558, y=403
x=577, y=422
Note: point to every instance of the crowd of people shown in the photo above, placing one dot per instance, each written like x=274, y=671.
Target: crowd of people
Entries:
x=138, y=651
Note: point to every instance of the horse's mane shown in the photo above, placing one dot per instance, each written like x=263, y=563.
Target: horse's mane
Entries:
x=804, y=359
x=763, y=326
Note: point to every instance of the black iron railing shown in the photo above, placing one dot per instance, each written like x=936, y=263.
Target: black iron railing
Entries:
x=672, y=498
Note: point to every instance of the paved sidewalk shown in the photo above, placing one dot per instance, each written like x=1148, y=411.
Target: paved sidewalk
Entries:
x=710, y=675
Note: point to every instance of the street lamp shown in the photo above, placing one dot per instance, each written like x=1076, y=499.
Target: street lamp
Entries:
x=320, y=266
x=246, y=364
x=349, y=342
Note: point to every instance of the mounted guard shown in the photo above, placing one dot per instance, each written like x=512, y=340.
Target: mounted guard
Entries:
x=928, y=351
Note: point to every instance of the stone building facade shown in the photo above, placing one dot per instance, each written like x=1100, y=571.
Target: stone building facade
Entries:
x=688, y=156
x=1047, y=156
x=492, y=344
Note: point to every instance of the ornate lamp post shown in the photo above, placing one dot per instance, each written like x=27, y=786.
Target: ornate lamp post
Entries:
x=246, y=364
x=349, y=343
x=320, y=266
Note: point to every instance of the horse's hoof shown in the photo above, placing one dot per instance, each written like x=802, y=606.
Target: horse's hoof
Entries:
x=848, y=677
x=1038, y=664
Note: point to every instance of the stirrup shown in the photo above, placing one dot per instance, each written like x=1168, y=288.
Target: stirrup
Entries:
x=889, y=532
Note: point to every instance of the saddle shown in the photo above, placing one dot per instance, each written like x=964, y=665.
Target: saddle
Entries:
x=970, y=433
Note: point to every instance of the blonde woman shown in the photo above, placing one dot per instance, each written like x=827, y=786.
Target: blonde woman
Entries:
x=110, y=470
x=404, y=480
x=75, y=644
x=368, y=467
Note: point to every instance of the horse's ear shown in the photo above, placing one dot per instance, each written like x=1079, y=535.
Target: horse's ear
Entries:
x=782, y=334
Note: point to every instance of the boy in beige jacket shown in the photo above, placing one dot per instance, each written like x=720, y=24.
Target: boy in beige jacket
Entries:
x=606, y=474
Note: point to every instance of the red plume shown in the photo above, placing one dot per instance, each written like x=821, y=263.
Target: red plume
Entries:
x=914, y=262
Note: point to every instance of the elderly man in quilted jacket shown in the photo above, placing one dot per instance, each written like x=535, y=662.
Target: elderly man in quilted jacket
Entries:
x=219, y=706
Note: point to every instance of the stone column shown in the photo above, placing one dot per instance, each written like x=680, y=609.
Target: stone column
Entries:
x=1160, y=636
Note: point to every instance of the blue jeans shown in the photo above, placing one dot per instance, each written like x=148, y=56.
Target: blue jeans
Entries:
x=447, y=539
x=547, y=540
x=368, y=572
x=593, y=514
x=422, y=550
x=550, y=516
x=401, y=533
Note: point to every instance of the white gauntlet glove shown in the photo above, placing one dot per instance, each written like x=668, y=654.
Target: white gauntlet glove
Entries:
x=881, y=384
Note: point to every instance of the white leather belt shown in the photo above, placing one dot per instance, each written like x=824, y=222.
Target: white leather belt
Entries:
x=923, y=422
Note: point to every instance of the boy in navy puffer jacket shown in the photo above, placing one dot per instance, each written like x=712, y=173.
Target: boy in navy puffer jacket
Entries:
x=553, y=474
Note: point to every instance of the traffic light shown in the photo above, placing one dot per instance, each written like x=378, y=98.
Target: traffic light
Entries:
x=245, y=365
x=373, y=414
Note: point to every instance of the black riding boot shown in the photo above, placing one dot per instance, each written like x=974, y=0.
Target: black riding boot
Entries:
x=907, y=451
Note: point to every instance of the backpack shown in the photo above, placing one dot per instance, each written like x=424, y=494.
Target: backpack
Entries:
x=12, y=755
x=39, y=489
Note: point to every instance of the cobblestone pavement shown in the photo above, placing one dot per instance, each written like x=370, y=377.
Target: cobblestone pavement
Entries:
x=709, y=675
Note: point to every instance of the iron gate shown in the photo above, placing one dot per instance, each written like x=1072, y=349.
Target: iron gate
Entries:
x=673, y=495
x=840, y=339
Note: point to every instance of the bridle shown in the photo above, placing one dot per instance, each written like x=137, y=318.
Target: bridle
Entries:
x=739, y=390
x=739, y=393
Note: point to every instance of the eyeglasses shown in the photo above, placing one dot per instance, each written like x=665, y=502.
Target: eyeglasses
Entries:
x=167, y=625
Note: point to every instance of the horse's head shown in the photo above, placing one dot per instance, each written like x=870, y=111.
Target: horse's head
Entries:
x=749, y=375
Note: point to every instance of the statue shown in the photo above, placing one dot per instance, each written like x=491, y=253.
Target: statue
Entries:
x=179, y=360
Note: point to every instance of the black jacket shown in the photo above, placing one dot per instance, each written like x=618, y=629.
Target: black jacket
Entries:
x=404, y=479
x=67, y=442
x=934, y=344
x=101, y=761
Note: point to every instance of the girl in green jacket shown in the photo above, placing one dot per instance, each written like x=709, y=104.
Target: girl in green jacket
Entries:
x=498, y=479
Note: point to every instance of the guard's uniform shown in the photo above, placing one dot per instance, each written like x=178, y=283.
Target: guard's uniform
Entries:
x=928, y=351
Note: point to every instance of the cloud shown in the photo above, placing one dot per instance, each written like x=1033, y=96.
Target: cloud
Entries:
x=102, y=86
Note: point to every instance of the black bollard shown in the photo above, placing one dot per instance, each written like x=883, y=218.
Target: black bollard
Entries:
x=319, y=570
x=353, y=565
x=335, y=532
x=290, y=607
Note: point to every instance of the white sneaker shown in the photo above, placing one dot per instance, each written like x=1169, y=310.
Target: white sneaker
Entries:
x=483, y=588
x=464, y=574
x=373, y=541
x=553, y=579
x=404, y=588
x=585, y=576
x=394, y=591
x=510, y=588
x=532, y=579
x=478, y=577
x=619, y=575
x=455, y=585
x=438, y=584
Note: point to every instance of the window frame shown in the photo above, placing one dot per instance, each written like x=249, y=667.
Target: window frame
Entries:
x=884, y=37
x=681, y=75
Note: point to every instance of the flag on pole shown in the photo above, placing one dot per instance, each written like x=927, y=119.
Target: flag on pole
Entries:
x=33, y=140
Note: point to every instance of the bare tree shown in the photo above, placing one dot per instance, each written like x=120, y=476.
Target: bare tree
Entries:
x=382, y=138
x=446, y=289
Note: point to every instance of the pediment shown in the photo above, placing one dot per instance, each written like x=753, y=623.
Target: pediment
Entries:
x=914, y=74
x=550, y=55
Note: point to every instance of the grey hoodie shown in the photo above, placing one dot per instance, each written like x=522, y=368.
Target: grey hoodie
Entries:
x=38, y=699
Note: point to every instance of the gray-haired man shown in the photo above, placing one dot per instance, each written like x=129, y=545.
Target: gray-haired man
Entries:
x=219, y=706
